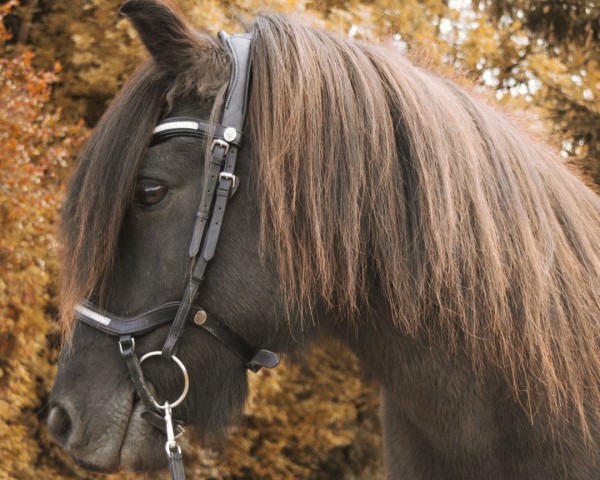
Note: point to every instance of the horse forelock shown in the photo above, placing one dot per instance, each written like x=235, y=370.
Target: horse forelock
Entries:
x=376, y=176
x=103, y=183
x=101, y=188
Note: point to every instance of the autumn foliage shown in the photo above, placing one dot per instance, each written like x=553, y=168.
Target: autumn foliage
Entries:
x=33, y=157
x=315, y=419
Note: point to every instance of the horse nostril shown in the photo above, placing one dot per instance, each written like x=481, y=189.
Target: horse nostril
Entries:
x=60, y=424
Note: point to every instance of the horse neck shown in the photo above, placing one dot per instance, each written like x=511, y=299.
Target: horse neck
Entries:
x=441, y=420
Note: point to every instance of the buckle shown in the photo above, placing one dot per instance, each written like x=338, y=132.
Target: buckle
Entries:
x=227, y=176
x=220, y=143
x=235, y=181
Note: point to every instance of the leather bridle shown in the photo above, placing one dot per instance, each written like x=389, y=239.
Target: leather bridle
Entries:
x=220, y=185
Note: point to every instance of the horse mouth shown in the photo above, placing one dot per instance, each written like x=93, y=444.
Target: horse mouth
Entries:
x=131, y=443
x=142, y=447
x=139, y=449
x=93, y=467
x=104, y=458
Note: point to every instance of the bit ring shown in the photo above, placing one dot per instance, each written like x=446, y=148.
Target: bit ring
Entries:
x=186, y=379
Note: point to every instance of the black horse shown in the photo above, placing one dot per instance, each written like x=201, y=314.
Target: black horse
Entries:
x=378, y=204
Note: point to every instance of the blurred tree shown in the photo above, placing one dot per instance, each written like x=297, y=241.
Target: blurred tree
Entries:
x=99, y=49
x=562, y=23
x=95, y=47
x=35, y=149
x=547, y=52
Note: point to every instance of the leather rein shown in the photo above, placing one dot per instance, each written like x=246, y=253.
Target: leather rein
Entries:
x=220, y=185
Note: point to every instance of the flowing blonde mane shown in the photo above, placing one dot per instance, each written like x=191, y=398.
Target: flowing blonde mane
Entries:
x=374, y=175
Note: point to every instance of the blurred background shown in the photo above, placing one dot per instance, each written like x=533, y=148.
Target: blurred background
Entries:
x=61, y=62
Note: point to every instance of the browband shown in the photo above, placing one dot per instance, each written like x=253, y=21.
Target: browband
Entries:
x=194, y=127
x=116, y=326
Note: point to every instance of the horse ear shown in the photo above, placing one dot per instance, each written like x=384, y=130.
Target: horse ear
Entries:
x=170, y=39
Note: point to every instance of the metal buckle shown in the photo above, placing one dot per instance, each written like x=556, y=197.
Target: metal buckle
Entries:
x=234, y=181
x=221, y=143
x=228, y=176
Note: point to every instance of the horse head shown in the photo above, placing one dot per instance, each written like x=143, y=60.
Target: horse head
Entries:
x=135, y=201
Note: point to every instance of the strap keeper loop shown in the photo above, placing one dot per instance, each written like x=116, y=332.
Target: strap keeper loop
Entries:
x=127, y=345
x=263, y=358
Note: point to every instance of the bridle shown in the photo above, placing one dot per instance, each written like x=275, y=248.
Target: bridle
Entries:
x=220, y=185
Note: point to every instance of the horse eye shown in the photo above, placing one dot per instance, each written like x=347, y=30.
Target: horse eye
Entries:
x=149, y=194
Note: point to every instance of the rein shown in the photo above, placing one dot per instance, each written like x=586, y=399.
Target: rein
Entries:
x=220, y=185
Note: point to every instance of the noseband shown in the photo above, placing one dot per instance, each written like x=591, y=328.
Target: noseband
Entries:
x=220, y=185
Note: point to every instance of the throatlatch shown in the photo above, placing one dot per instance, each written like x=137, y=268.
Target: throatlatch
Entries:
x=220, y=185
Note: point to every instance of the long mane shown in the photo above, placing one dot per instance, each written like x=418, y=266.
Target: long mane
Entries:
x=375, y=175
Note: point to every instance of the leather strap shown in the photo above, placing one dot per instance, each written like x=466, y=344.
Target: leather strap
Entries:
x=204, y=211
x=172, y=342
x=233, y=117
x=151, y=413
x=176, y=465
x=226, y=183
x=127, y=346
x=235, y=104
x=253, y=359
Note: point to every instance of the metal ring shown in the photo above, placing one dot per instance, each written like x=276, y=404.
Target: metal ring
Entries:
x=186, y=380
x=170, y=446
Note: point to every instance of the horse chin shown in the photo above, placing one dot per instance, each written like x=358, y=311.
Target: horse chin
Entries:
x=143, y=447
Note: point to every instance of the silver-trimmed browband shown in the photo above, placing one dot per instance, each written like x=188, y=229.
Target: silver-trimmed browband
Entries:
x=192, y=127
x=117, y=326
x=183, y=124
x=81, y=311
